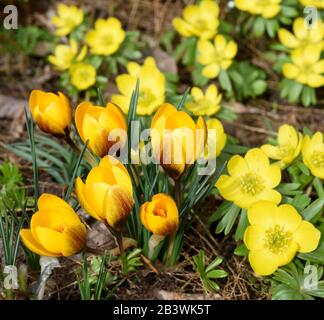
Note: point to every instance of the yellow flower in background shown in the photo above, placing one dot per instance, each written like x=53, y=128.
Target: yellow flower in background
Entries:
x=204, y=104
x=275, y=235
x=83, y=75
x=216, y=56
x=313, y=3
x=51, y=112
x=306, y=67
x=151, y=87
x=217, y=139
x=303, y=35
x=198, y=20
x=106, y=38
x=68, y=18
x=176, y=143
x=267, y=9
x=250, y=179
x=289, y=145
x=313, y=154
x=65, y=55
x=55, y=229
x=160, y=216
x=107, y=194
x=94, y=123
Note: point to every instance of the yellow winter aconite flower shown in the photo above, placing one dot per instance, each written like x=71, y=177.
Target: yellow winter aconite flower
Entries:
x=306, y=67
x=176, y=139
x=55, y=229
x=217, y=139
x=267, y=9
x=151, y=87
x=65, y=55
x=313, y=154
x=95, y=123
x=83, y=75
x=204, y=104
x=250, y=179
x=313, y=3
x=106, y=37
x=216, y=56
x=160, y=216
x=198, y=20
x=68, y=18
x=51, y=112
x=303, y=35
x=275, y=235
x=289, y=145
x=107, y=194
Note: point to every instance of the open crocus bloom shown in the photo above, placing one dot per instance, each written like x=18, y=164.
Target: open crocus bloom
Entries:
x=275, y=235
x=250, y=179
x=160, y=216
x=107, y=194
x=55, y=229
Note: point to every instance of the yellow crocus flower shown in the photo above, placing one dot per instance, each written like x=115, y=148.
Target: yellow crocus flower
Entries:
x=267, y=9
x=176, y=143
x=313, y=154
x=250, y=179
x=198, y=20
x=204, y=104
x=289, y=145
x=313, y=3
x=52, y=113
x=68, y=18
x=106, y=38
x=275, y=235
x=306, y=67
x=218, y=139
x=83, y=75
x=65, y=55
x=216, y=56
x=94, y=123
x=160, y=215
x=107, y=194
x=303, y=35
x=55, y=229
x=151, y=87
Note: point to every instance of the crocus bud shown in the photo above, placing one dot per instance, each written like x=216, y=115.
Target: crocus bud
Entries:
x=160, y=216
x=95, y=123
x=52, y=112
x=107, y=194
x=55, y=229
x=176, y=139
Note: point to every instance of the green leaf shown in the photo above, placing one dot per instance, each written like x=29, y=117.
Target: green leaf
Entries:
x=316, y=256
x=241, y=250
x=228, y=220
x=259, y=27
x=217, y=274
x=313, y=209
x=225, y=81
x=294, y=92
x=242, y=225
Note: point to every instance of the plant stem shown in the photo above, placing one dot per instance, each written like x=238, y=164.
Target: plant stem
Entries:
x=177, y=192
x=119, y=239
x=87, y=156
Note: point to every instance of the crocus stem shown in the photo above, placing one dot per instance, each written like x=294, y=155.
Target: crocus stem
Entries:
x=154, y=241
x=87, y=156
x=170, y=246
x=177, y=191
x=119, y=239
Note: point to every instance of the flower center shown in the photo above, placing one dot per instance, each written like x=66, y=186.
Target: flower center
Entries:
x=317, y=159
x=277, y=239
x=145, y=97
x=160, y=212
x=251, y=184
x=106, y=40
